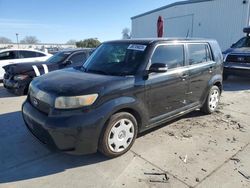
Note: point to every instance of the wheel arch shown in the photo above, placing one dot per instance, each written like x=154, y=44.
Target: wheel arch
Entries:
x=133, y=112
x=216, y=81
x=219, y=85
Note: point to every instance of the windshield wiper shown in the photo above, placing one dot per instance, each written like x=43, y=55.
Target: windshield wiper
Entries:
x=83, y=69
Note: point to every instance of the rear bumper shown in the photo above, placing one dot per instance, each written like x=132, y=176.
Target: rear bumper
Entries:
x=77, y=134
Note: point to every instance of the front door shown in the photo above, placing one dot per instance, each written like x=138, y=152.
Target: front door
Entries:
x=166, y=92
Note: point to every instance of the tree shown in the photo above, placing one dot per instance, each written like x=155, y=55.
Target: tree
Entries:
x=88, y=43
x=5, y=40
x=126, y=33
x=29, y=40
x=71, y=42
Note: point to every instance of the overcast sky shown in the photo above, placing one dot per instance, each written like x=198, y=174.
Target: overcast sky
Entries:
x=61, y=20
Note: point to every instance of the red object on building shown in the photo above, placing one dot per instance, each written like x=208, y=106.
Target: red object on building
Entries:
x=160, y=25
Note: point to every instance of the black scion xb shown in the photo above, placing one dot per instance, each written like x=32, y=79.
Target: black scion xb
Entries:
x=124, y=88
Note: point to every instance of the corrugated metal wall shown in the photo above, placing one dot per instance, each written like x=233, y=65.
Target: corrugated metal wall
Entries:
x=222, y=20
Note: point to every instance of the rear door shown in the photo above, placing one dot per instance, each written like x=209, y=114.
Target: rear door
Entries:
x=166, y=92
x=201, y=68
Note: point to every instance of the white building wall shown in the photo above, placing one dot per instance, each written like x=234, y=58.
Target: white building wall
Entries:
x=222, y=20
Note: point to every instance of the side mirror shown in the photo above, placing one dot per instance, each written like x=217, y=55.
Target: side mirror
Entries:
x=68, y=62
x=233, y=45
x=158, y=68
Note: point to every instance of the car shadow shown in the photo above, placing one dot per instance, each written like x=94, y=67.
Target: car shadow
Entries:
x=22, y=157
x=4, y=93
x=236, y=84
x=196, y=113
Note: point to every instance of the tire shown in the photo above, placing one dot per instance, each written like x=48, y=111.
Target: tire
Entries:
x=118, y=135
x=26, y=90
x=212, y=100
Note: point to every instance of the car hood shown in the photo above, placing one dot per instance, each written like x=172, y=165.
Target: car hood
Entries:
x=75, y=82
x=21, y=68
x=242, y=51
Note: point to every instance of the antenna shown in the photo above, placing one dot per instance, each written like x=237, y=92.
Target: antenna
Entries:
x=187, y=34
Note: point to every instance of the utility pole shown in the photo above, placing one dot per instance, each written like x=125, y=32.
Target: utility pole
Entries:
x=17, y=40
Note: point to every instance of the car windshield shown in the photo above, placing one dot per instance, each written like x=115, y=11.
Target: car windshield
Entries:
x=59, y=57
x=118, y=59
x=242, y=43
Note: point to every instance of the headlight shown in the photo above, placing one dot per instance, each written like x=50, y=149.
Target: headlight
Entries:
x=20, y=77
x=75, y=102
x=224, y=57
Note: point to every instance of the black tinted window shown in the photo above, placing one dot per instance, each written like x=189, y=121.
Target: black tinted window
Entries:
x=198, y=53
x=244, y=42
x=7, y=55
x=78, y=58
x=59, y=57
x=27, y=54
x=39, y=54
x=171, y=55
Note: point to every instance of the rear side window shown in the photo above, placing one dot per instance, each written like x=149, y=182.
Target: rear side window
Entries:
x=171, y=55
x=27, y=54
x=198, y=53
x=78, y=58
x=39, y=54
x=7, y=55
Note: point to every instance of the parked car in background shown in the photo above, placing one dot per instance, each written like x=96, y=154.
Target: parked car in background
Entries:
x=18, y=76
x=54, y=50
x=125, y=87
x=237, y=58
x=11, y=56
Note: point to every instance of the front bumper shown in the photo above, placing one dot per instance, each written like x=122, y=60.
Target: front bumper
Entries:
x=75, y=134
x=237, y=69
x=16, y=87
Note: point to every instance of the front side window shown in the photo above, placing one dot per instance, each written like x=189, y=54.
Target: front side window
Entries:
x=59, y=57
x=7, y=55
x=171, y=55
x=117, y=59
x=78, y=58
x=198, y=53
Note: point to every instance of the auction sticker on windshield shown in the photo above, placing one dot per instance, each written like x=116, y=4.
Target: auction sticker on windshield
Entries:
x=137, y=47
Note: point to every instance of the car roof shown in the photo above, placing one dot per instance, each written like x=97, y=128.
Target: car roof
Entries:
x=71, y=50
x=147, y=41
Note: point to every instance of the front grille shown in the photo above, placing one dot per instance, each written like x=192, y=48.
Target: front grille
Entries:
x=238, y=58
x=39, y=105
